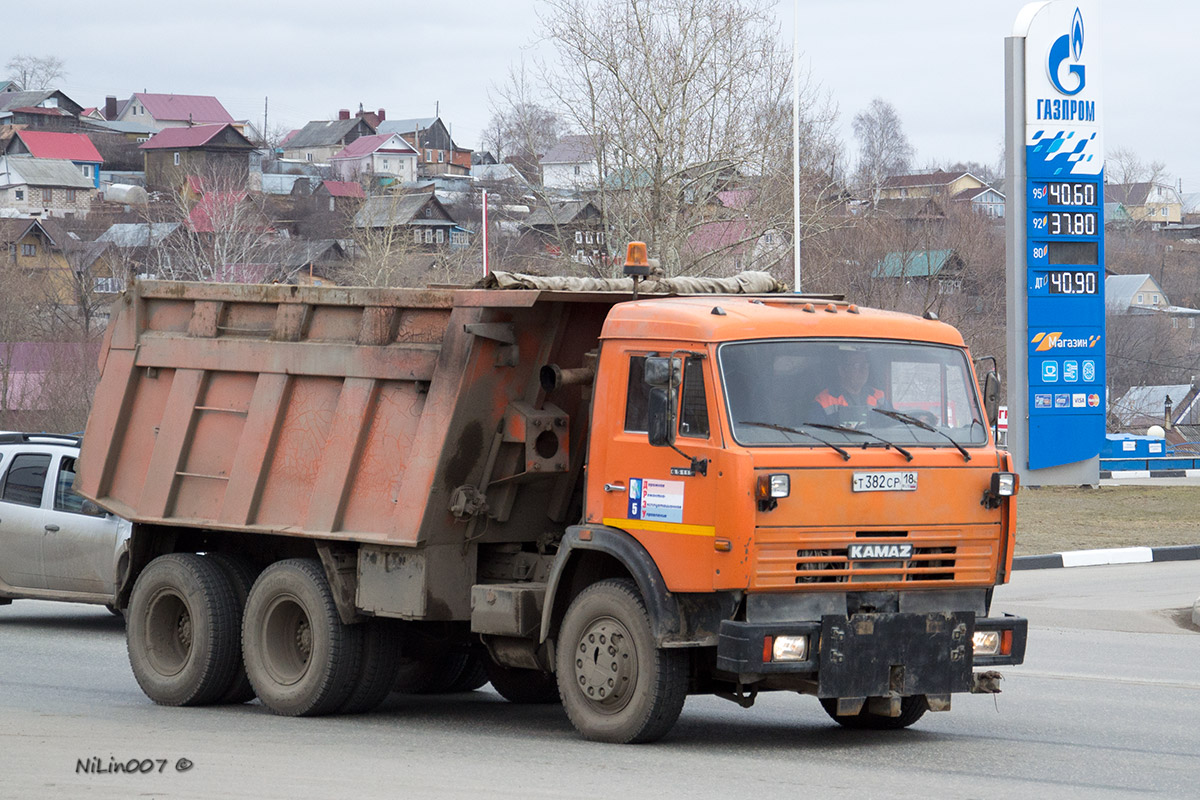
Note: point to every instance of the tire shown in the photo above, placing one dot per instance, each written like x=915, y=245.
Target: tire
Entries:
x=302, y=660
x=181, y=631
x=474, y=675
x=615, y=684
x=377, y=667
x=241, y=574
x=523, y=686
x=441, y=673
x=911, y=709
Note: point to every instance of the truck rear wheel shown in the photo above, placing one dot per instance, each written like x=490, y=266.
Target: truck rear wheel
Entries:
x=616, y=684
x=377, y=668
x=300, y=657
x=241, y=574
x=181, y=630
x=523, y=686
x=911, y=710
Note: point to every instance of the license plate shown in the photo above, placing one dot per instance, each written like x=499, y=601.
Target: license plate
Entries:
x=884, y=482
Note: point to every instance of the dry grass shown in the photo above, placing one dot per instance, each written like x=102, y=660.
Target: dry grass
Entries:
x=1056, y=519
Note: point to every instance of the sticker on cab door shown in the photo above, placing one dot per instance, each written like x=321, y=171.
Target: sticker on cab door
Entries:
x=657, y=501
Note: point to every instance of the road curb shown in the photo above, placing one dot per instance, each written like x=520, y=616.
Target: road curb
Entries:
x=1116, y=555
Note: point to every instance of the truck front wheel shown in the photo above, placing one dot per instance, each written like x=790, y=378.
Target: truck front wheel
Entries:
x=300, y=657
x=181, y=631
x=616, y=684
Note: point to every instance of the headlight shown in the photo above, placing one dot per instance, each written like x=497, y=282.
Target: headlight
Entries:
x=789, y=648
x=986, y=643
x=1004, y=484
x=774, y=486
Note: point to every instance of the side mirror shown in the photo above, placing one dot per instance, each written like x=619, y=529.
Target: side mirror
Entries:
x=662, y=371
x=91, y=509
x=991, y=397
x=661, y=421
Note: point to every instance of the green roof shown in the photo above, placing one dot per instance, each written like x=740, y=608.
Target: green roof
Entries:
x=914, y=264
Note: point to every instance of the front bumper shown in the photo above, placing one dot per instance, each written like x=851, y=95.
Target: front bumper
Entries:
x=872, y=655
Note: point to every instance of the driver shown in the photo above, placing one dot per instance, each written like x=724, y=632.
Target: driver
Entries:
x=852, y=394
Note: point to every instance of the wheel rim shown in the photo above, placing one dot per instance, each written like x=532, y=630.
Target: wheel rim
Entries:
x=287, y=634
x=606, y=665
x=168, y=632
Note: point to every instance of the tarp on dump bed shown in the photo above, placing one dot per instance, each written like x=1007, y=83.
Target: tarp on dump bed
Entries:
x=742, y=283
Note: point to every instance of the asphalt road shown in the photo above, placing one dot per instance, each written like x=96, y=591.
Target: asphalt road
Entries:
x=1107, y=705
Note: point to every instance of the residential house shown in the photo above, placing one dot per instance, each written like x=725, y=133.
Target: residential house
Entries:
x=1133, y=294
x=338, y=196
x=1143, y=406
x=382, y=157
x=207, y=150
x=40, y=247
x=986, y=201
x=437, y=151
x=574, y=227
x=944, y=267
x=43, y=108
x=74, y=147
x=429, y=222
x=133, y=132
x=939, y=184
x=319, y=140
x=731, y=245
x=571, y=164
x=133, y=249
x=35, y=378
x=7, y=87
x=44, y=187
x=162, y=111
x=1158, y=203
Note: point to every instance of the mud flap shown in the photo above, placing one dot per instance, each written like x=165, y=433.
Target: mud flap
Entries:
x=873, y=655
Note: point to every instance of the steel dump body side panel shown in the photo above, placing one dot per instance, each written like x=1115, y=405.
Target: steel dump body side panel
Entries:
x=340, y=414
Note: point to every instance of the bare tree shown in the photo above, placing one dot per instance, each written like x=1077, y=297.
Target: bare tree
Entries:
x=680, y=99
x=521, y=129
x=36, y=72
x=883, y=147
x=1124, y=165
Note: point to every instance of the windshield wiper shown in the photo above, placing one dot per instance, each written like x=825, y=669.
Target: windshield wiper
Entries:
x=785, y=429
x=843, y=429
x=905, y=418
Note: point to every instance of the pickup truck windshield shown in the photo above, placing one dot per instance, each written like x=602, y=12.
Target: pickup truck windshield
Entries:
x=850, y=393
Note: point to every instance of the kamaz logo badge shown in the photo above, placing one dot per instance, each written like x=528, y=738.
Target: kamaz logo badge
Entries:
x=894, y=552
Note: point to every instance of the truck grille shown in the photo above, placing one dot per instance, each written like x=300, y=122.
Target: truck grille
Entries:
x=788, y=557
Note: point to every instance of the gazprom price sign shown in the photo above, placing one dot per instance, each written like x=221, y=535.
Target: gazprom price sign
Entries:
x=1064, y=234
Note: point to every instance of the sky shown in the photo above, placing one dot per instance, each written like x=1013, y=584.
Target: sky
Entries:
x=939, y=62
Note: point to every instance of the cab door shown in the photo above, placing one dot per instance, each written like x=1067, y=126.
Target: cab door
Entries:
x=666, y=499
x=22, y=489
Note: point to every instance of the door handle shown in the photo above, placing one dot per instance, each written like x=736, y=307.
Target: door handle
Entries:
x=614, y=487
x=52, y=528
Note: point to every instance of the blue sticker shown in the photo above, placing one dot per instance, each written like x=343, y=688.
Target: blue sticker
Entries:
x=1089, y=371
x=1050, y=371
x=635, y=498
x=1070, y=371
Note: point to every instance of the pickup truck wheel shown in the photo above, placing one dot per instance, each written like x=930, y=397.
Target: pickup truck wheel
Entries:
x=615, y=684
x=302, y=660
x=181, y=630
x=523, y=686
x=241, y=574
x=911, y=709
x=377, y=668
x=474, y=675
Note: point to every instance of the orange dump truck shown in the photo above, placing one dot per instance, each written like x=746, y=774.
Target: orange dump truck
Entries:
x=340, y=492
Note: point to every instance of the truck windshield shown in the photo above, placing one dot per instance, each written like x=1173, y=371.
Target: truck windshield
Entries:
x=817, y=393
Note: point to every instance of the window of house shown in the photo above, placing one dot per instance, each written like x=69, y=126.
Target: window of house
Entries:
x=1174, y=323
x=417, y=236
x=87, y=170
x=385, y=163
x=143, y=139
x=768, y=238
x=578, y=237
x=71, y=195
x=106, y=285
x=588, y=237
x=428, y=236
x=331, y=205
x=440, y=236
x=1164, y=211
x=580, y=256
x=29, y=249
x=47, y=196
x=307, y=157
x=429, y=155
x=1155, y=299
x=25, y=479
x=20, y=193
x=577, y=171
x=441, y=156
x=1191, y=322
x=177, y=159
x=600, y=237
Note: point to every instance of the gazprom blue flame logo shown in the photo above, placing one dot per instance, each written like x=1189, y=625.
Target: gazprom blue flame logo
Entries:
x=1068, y=46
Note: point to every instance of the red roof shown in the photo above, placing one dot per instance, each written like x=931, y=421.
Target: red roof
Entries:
x=344, y=189
x=50, y=112
x=365, y=145
x=719, y=235
x=219, y=208
x=69, y=146
x=197, y=136
x=184, y=107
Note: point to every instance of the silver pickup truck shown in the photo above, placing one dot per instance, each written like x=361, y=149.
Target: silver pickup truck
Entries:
x=54, y=544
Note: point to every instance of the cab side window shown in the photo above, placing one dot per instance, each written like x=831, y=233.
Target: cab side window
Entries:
x=693, y=415
x=25, y=479
x=637, y=397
